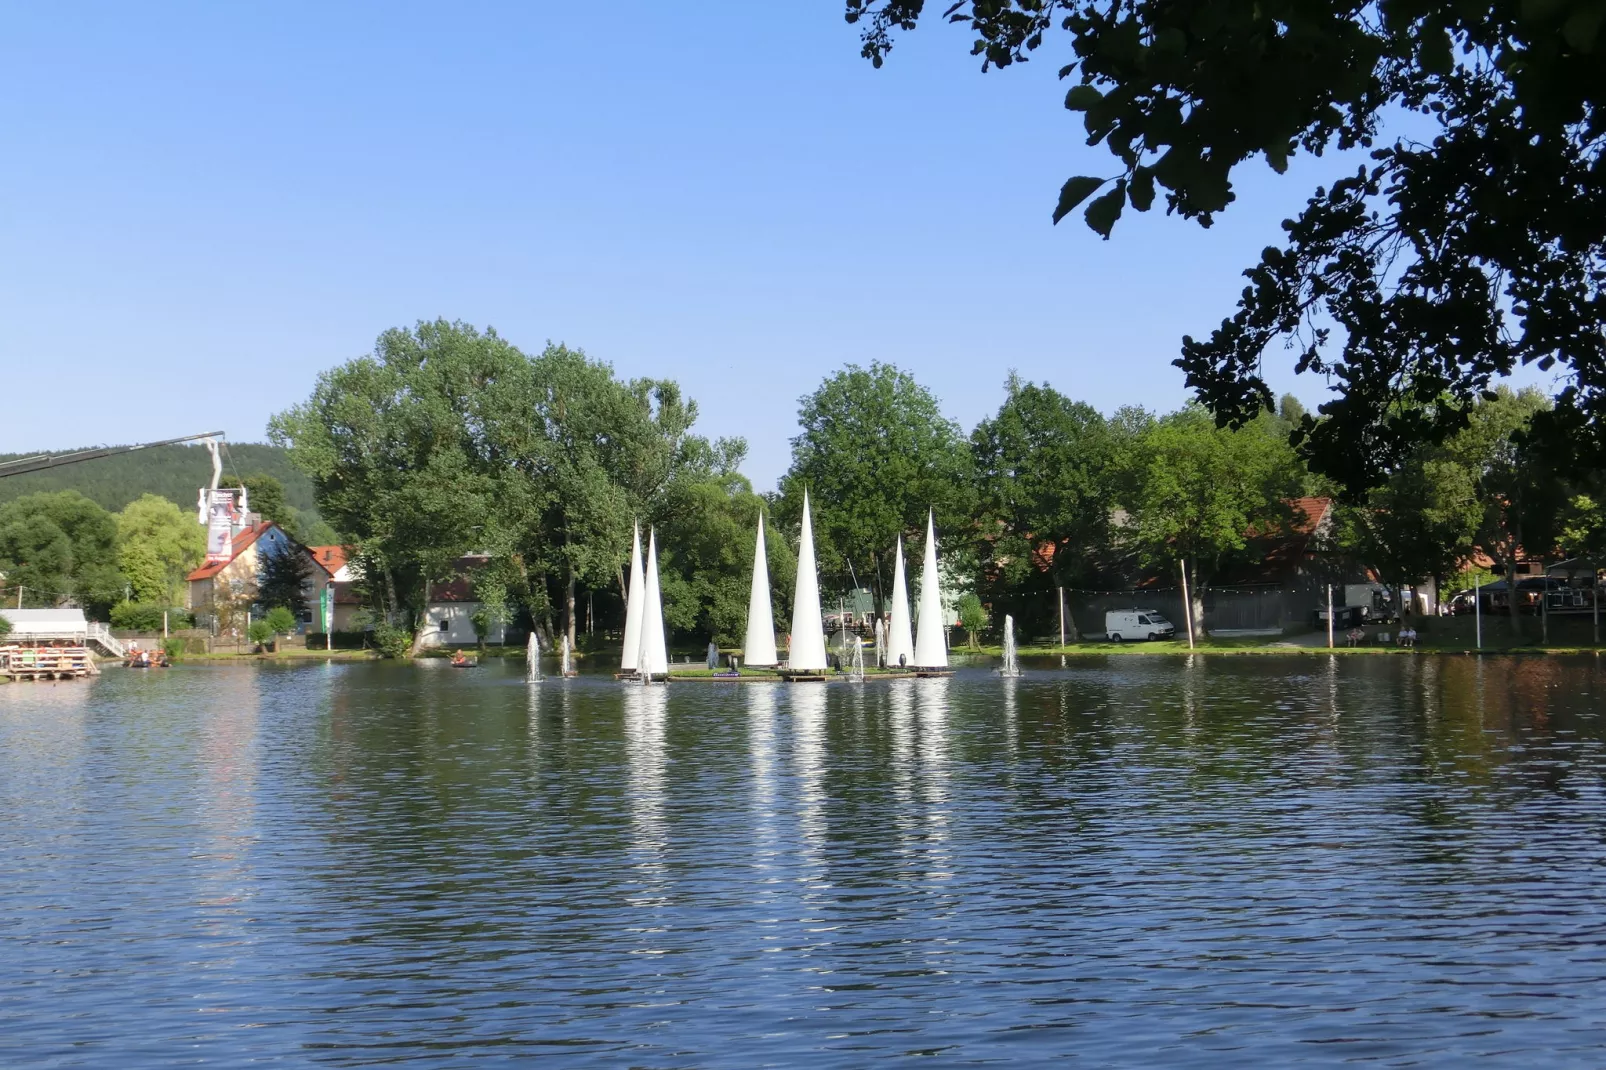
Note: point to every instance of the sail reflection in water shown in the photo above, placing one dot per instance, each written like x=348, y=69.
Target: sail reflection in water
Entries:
x=1139, y=861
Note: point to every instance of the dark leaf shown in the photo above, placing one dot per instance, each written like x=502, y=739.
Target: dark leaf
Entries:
x=1074, y=192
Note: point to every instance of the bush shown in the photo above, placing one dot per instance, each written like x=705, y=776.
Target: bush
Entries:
x=260, y=633
x=281, y=620
x=342, y=640
x=174, y=647
x=147, y=617
x=393, y=642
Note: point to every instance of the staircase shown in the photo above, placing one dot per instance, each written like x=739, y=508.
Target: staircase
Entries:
x=101, y=636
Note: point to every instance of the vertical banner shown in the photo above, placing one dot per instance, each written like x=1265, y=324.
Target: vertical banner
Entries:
x=326, y=607
x=219, y=525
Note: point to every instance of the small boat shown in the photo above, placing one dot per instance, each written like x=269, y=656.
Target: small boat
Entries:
x=146, y=659
x=460, y=661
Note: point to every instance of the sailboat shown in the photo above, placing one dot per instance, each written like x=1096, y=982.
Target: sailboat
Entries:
x=900, y=640
x=759, y=646
x=653, y=661
x=931, y=641
x=806, y=656
x=635, y=593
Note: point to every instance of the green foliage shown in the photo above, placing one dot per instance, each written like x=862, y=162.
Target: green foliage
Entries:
x=280, y=621
x=1202, y=489
x=707, y=546
x=1457, y=255
x=282, y=579
x=875, y=452
x=973, y=616
x=158, y=545
x=61, y=546
x=5, y=627
x=260, y=632
x=447, y=440
x=173, y=647
x=147, y=616
x=266, y=497
x=391, y=641
x=1047, y=469
x=171, y=472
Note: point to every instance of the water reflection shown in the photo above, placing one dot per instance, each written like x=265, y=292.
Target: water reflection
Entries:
x=1148, y=861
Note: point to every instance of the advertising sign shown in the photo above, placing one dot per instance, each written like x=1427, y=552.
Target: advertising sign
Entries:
x=219, y=525
x=326, y=607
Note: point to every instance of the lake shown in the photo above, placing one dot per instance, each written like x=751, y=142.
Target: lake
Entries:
x=1127, y=860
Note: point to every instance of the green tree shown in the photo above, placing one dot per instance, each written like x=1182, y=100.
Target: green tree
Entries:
x=279, y=621
x=1047, y=469
x=61, y=547
x=1202, y=489
x=1453, y=257
x=973, y=615
x=266, y=497
x=875, y=453
x=158, y=544
x=1421, y=524
x=421, y=452
x=282, y=579
x=707, y=542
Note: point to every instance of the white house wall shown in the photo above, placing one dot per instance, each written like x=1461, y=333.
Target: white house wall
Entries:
x=459, y=630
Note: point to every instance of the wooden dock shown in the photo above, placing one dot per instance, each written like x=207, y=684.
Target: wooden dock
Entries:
x=46, y=662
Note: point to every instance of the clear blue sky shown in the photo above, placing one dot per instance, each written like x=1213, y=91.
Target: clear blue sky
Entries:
x=204, y=205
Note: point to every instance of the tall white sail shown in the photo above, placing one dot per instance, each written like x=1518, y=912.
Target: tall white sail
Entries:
x=633, y=596
x=808, y=631
x=931, y=644
x=654, y=653
x=900, y=640
x=759, y=646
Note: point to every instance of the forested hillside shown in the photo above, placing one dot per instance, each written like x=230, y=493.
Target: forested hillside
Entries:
x=173, y=472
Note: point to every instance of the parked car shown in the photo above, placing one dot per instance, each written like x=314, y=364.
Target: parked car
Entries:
x=1123, y=624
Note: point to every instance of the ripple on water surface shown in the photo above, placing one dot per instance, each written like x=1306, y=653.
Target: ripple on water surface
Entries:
x=1139, y=860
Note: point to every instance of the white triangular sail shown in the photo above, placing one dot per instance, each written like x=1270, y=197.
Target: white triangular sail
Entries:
x=931, y=643
x=808, y=632
x=900, y=639
x=654, y=659
x=633, y=596
x=759, y=647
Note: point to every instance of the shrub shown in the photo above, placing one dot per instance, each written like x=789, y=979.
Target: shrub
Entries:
x=147, y=617
x=260, y=632
x=393, y=642
x=173, y=647
x=281, y=620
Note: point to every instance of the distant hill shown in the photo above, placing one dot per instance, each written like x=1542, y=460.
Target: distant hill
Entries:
x=173, y=472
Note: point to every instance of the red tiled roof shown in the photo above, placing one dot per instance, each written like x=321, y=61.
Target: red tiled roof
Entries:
x=241, y=541
x=329, y=558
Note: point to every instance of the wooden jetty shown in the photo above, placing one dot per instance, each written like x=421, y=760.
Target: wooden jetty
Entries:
x=46, y=662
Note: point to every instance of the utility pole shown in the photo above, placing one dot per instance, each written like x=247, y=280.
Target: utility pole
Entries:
x=1187, y=602
x=1594, y=598
x=1329, y=616
x=1061, y=591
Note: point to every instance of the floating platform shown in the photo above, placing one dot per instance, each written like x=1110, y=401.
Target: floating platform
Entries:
x=926, y=674
x=47, y=662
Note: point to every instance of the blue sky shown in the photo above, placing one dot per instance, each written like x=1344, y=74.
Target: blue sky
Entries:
x=202, y=206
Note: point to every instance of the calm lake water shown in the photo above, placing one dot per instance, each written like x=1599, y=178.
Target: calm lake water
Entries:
x=1132, y=860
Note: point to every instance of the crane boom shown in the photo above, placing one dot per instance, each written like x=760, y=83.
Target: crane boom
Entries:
x=42, y=461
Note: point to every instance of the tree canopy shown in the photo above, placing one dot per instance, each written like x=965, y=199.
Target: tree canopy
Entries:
x=1414, y=283
x=60, y=546
x=158, y=545
x=875, y=453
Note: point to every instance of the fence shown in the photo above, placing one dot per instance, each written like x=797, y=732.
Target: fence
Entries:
x=1253, y=610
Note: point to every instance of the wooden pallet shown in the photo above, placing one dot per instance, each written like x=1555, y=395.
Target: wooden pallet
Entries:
x=46, y=662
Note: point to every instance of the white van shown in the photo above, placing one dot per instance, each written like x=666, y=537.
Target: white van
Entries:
x=1120, y=624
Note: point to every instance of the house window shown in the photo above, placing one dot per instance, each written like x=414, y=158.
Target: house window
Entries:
x=446, y=624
